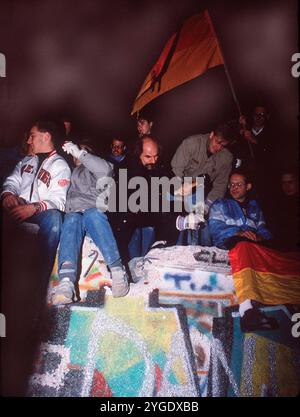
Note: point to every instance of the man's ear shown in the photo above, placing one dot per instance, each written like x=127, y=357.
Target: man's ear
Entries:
x=249, y=186
x=151, y=124
x=211, y=134
x=124, y=147
x=47, y=137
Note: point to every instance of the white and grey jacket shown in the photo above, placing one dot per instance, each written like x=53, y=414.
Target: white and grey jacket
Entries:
x=48, y=186
x=85, y=187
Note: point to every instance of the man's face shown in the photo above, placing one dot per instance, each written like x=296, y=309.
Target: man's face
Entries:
x=144, y=127
x=68, y=126
x=259, y=116
x=216, y=143
x=36, y=140
x=149, y=156
x=289, y=184
x=117, y=147
x=238, y=187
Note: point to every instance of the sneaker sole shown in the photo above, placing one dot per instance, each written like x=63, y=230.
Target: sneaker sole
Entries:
x=61, y=299
x=121, y=294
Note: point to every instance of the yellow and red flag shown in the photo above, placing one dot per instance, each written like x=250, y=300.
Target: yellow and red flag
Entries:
x=265, y=275
x=188, y=53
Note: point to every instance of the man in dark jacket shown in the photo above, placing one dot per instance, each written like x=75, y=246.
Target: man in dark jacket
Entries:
x=143, y=223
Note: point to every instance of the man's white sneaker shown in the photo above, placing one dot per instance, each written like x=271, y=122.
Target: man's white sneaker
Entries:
x=120, y=285
x=64, y=292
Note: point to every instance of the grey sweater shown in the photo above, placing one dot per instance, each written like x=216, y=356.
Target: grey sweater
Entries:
x=83, y=193
x=191, y=160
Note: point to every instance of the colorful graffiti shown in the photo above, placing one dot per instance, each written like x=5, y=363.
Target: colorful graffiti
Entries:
x=94, y=274
x=120, y=349
x=261, y=364
x=176, y=333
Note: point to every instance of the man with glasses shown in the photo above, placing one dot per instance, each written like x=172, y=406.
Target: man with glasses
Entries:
x=261, y=275
x=237, y=218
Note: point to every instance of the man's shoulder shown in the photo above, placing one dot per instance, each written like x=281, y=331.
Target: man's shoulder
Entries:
x=196, y=139
x=224, y=155
x=58, y=160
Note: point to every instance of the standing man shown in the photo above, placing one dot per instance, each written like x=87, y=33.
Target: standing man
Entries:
x=204, y=154
x=36, y=190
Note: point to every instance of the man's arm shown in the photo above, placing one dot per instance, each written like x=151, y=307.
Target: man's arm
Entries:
x=98, y=166
x=181, y=158
x=219, y=183
x=217, y=224
x=262, y=229
x=12, y=184
x=57, y=192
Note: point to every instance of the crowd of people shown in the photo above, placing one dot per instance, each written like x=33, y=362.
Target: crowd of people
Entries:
x=63, y=186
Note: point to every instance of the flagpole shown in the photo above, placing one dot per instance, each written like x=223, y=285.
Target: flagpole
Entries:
x=227, y=75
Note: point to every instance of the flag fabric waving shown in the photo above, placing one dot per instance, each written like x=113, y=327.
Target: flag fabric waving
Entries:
x=265, y=275
x=188, y=53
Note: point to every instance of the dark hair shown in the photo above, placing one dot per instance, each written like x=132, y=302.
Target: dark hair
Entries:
x=228, y=131
x=138, y=149
x=244, y=174
x=56, y=131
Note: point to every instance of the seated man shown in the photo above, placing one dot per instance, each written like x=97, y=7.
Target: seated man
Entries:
x=82, y=217
x=36, y=192
x=264, y=270
x=238, y=218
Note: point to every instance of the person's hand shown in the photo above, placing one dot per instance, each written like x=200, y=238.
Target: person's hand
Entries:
x=243, y=121
x=72, y=149
x=248, y=234
x=249, y=137
x=10, y=201
x=185, y=189
x=21, y=213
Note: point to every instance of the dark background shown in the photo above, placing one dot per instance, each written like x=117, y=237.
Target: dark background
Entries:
x=88, y=60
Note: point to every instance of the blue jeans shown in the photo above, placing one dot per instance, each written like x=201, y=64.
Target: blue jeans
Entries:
x=50, y=223
x=75, y=226
x=141, y=241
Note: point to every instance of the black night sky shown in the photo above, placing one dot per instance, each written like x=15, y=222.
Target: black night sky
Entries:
x=88, y=59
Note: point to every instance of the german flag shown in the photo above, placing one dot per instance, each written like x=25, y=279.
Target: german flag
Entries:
x=265, y=275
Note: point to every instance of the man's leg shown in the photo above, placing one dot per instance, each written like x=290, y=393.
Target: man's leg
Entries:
x=49, y=222
x=97, y=226
x=134, y=246
x=70, y=244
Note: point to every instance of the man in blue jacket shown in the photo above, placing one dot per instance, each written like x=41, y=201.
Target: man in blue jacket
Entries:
x=238, y=218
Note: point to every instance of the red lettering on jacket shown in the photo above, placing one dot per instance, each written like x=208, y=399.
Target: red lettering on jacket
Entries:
x=44, y=176
x=27, y=168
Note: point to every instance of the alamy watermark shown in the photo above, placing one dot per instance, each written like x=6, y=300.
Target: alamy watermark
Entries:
x=157, y=195
x=296, y=326
x=2, y=325
x=2, y=65
x=296, y=67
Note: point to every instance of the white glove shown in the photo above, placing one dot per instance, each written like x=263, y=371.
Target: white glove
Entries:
x=72, y=149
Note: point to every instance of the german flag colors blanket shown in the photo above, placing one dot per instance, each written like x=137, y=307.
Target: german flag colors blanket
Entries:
x=265, y=275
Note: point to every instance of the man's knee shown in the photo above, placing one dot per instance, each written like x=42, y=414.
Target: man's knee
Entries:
x=93, y=214
x=51, y=221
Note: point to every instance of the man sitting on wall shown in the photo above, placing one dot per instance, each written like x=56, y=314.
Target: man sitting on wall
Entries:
x=260, y=274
